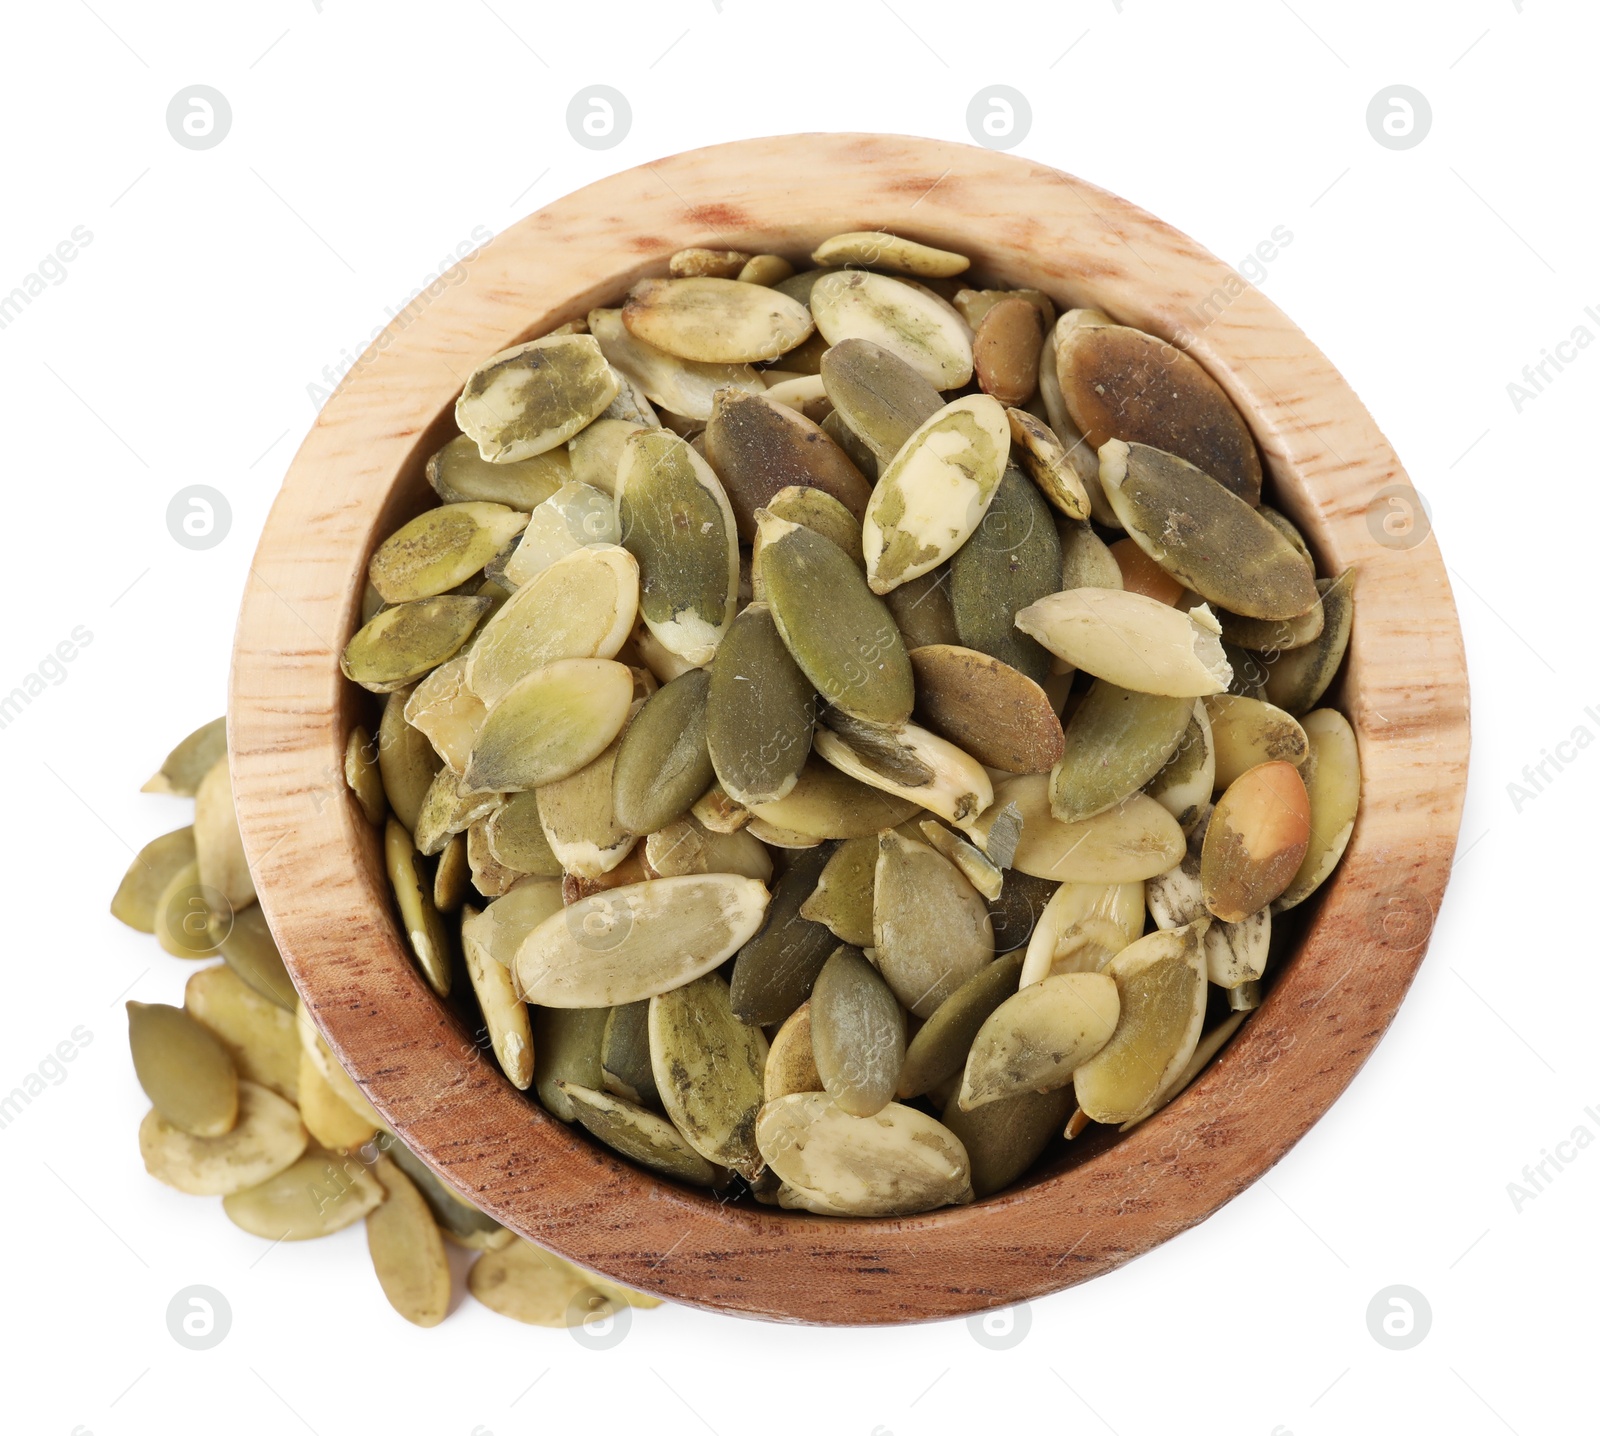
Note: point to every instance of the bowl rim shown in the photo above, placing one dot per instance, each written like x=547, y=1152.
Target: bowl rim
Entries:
x=317, y=864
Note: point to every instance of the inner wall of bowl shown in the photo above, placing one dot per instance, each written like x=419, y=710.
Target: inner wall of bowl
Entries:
x=410, y=494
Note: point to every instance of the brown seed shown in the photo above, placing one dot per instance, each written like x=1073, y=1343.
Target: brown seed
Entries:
x=791, y=1064
x=1005, y=351
x=986, y=707
x=1256, y=841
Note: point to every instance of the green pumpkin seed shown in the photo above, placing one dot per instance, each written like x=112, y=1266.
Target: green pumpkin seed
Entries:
x=873, y=249
x=799, y=286
x=986, y=708
x=534, y=396
x=1267, y=635
x=881, y=749
x=419, y=918
x=1120, y=383
x=758, y=447
x=715, y=321
x=539, y=1289
x=1207, y=537
x=1258, y=836
x=148, y=876
x=491, y=878
x=1247, y=731
x=827, y=803
x=320, y=1193
x=1209, y=1045
x=638, y=940
x=878, y=396
x=767, y=269
x=759, y=711
x=516, y=840
x=791, y=1061
x=407, y=1251
x=715, y=263
x=681, y=386
x=267, y=1138
x=452, y=875
x=1012, y=559
x=957, y=791
x=1087, y=560
x=777, y=966
x=1015, y=913
x=921, y=607
x=842, y=898
x=975, y=867
x=407, y=761
x=550, y=724
x=858, y=1033
x=1082, y=927
x=1236, y=952
x=258, y=1035
x=930, y=929
x=457, y=1218
x=1333, y=789
x=1037, y=1038
x=639, y=1134
x=708, y=1068
x=403, y=643
x=935, y=491
x=249, y=949
x=821, y=513
x=939, y=1050
x=441, y=549
x=499, y=929
x=183, y=768
x=663, y=763
x=897, y=1162
x=1131, y=640
x=1289, y=531
x=504, y=1015
x=1004, y=1138
x=330, y=1120
x=567, y=1047
x=1296, y=680
x=910, y=323
x=361, y=775
x=1185, y=783
x=1161, y=986
x=1045, y=458
x=1134, y=840
x=676, y=522
x=839, y=632
x=344, y=1087
x=625, y=1054
x=186, y=925
x=686, y=847
x=580, y=820
x=184, y=1070
x=1116, y=742
x=218, y=848
x=460, y=474
x=854, y=446
x=448, y=809
x=444, y=708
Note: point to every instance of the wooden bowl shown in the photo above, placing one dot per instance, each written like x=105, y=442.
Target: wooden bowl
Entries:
x=318, y=866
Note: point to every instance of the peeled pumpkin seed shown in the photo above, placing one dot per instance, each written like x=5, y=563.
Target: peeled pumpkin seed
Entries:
x=1161, y=986
x=636, y=941
x=625, y=1054
x=258, y=1035
x=315, y=1046
x=873, y=249
x=706, y=852
x=775, y=837
x=250, y=951
x=184, y=1070
x=1012, y=559
x=1005, y=351
x=534, y=396
x=1209, y=1045
x=768, y=269
x=538, y=1288
x=958, y=790
x=840, y=633
x=777, y=966
x=1005, y=1137
x=458, y=473
x=573, y=518
x=407, y=761
x=858, y=1033
x=441, y=549
x=842, y=898
x=1236, y=952
x=267, y=1138
x=183, y=768
x=185, y=924
x=760, y=710
x=148, y=875
x=1082, y=927
x=663, y=764
x=1186, y=782
x=458, y=1220
x=1120, y=383
x=1205, y=535
x=880, y=397
x=931, y=931
x=882, y=749
x=597, y=451
x=717, y=263
x=1134, y=840
x=504, y=1015
x=791, y=1060
x=550, y=724
x=708, y=1067
x=676, y=522
x=897, y=1162
x=973, y=304
x=320, y=1193
x=361, y=775
x=448, y=810
x=1258, y=836
x=1247, y=731
x=1116, y=742
x=332, y=1122
x=1333, y=791
x=935, y=491
x=1087, y=560
x=986, y=708
x=1041, y=453
x=827, y=803
x=419, y=918
x=1296, y=680
x=910, y=323
x=759, y=447
x=1037, y=1038
x=444, y=708
x=1085, y=463
x=1131, y=640
x=407, y=1251
x=974, y=866
x=639, y=1134
x=939, y=1050
x=580, y=821
x=567, y=1046
x=403, y=643
x=498, y=930
x=452, y=874
x=712, y=320
x=219, y=850
x=682, y=386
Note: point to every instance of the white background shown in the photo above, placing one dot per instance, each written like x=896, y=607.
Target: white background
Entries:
x=368, y=140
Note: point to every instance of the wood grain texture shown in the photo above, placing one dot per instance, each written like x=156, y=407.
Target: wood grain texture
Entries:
x=318, y=870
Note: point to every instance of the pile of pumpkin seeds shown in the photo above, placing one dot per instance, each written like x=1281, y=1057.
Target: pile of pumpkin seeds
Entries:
x=851, y=727
x=250, y=1104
